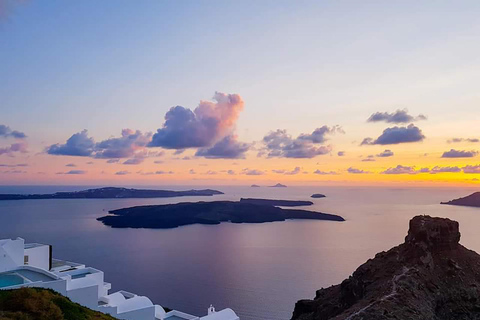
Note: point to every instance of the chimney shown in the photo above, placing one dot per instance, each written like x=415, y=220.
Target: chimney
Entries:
x=211, y=310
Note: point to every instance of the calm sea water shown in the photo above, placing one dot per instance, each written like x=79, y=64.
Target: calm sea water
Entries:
x=259, y=270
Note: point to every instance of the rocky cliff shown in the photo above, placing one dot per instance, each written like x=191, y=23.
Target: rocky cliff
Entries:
x=429, y=276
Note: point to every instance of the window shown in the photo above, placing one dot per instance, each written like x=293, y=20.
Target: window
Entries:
x=25, y=260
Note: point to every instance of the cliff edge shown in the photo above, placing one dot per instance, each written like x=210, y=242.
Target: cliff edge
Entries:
x=429, y=276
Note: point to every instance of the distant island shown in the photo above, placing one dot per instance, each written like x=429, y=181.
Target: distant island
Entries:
x=317, y=195
x=186, y=213
x=472, y=200
x=255, y=186
x=282, y=203
x=278, y=185
x=111, y=193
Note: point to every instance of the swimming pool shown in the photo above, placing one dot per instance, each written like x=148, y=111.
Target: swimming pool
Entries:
x=10, y=279
x=80, y=275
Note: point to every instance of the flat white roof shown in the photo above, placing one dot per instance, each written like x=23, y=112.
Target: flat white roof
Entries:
x=34, y=245
x=178, y=315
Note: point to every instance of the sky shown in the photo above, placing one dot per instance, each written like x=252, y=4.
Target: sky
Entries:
x=239, y=92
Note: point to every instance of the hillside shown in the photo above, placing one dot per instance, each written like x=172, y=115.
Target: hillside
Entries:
x=472, y=200
x=43, y=304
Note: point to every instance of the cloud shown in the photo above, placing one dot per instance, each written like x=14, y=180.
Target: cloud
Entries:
x=14, y=147
x=231, y=172
x=411, y=170
x=145, y=173
x=76, y=172
x=124, y=146
x=438, y=169
x=13, y=165
x=122, y=173
x=296, y=170
x=158, y=161
x=210, y=172
x=6, y=132
x=113, y=160
x=204, y=126
x=457, y=140
x=163, y=172
x=70, y=165
x=397, y=135
x=400, y=170
x=133, y=161
x=280, y=144
x=90, y=162
x=459, y=154
x=252, y=172
x=369, y=158
x=325, y=172
x=399, y=116
x=227, y=148
x=73, y=172
x=471, y=169
x=319, y=134
x=341, y=153
x=366, y=141
x=129, y=144
x=191, y=171
x=78, y=144
x=356, y=171
x=149, y=173
x=386, y=153
x=13, y=171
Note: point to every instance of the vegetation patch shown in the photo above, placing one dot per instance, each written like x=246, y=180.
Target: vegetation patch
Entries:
x=43, y=304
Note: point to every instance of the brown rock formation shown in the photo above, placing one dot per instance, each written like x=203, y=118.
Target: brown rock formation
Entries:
x=430, y=276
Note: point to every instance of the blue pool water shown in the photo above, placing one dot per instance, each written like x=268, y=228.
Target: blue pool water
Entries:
x=7, y=280
x=80, y=275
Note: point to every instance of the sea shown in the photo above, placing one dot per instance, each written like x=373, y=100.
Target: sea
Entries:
x=258, y=270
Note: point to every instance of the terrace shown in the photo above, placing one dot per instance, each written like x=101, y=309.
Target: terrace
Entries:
x=23, y=276
x=62, y=265
x=31, y=265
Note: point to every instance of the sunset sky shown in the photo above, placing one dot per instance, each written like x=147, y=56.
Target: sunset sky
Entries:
x=239, y=92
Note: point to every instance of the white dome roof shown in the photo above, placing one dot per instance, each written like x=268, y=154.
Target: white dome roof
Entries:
x=225, y=314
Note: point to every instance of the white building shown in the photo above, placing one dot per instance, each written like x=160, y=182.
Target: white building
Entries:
x=32, y=265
